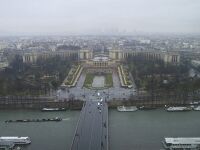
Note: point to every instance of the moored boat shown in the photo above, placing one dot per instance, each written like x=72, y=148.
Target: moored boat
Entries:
x=197, y=108
x=147, y=108
x=35, y=120
x=53, y=109
x=127, y=108
x=15, y=139
x=171, y=109
x=183, y=143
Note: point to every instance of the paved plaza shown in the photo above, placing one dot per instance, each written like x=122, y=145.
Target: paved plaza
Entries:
x=82, y=93
x=98, y=81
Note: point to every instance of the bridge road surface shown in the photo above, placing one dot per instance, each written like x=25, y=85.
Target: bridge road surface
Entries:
x=92, y=127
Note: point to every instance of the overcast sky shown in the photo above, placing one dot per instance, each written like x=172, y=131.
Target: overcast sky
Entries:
x=98, y=16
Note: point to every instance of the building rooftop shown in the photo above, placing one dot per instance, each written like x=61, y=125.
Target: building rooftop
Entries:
x=100, y=58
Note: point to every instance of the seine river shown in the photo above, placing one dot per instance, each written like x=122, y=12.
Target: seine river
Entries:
x=141, y=130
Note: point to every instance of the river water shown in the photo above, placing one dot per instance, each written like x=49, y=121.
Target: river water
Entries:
x=141, y=130
x=44, y=135
x=144, y=130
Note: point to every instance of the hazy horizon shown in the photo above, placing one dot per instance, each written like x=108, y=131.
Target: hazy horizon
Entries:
x=47, y=17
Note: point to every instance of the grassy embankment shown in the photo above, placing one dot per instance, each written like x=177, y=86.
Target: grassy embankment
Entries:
x=88, y=80
x=109, y=80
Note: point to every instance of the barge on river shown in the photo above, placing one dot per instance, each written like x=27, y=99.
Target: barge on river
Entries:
x=35, y=120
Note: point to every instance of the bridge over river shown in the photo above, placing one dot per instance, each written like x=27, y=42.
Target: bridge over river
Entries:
x=92, y=127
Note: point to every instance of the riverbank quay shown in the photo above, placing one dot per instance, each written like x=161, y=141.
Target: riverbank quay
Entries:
x=77, y=104
x=148, y=103
x=28, y=102
x=38, y=103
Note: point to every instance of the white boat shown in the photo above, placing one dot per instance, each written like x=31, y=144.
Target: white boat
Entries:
x=194, y=103
x=197, y=108
x=15, y=139
x=53, y=109
x=190, y=143
x=127, y=108
x=179, y=109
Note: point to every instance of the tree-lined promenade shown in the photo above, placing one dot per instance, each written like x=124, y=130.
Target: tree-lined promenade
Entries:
x=34, y=79
x=159, y=78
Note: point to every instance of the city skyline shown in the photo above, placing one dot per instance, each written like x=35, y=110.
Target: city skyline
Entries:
x=47, y=17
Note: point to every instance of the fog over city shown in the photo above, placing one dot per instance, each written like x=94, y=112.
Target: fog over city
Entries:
x=99, y=74
x=18, y=17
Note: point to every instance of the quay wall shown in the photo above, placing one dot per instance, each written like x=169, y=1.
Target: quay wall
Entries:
x=147, y=103
x=39, y=104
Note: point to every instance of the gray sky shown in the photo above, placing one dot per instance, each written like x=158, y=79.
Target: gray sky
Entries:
x=98, y=16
